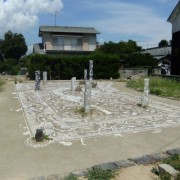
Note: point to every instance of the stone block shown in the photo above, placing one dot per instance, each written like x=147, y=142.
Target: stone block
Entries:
x=106, y=166
x=143, y=160
x=166, y=168
x=173, y=151
x=79, y=173
x=159, y=156
x=124, y=163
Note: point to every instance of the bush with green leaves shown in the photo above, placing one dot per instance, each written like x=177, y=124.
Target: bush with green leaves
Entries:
x=66, y=67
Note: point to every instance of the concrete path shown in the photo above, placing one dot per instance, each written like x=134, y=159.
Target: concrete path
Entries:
x=18, y=161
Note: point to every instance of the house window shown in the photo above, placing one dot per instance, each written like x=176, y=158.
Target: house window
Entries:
x=58, y=43
x=76, y=44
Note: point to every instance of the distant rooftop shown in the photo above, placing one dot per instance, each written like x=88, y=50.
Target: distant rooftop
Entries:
x=158, y=52
x=67, y=29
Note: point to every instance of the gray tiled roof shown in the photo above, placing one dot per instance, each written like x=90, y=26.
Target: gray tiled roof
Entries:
x=67, y=29
x=158, y=52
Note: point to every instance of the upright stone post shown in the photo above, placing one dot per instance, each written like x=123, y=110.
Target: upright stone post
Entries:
x=73, y=84
x=87, y=93
x=37, y=80
x=90, y=70
x=44, y=77
x=145, y=98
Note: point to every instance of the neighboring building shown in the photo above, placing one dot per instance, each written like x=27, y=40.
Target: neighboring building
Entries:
x=163, y=56
x=174, y=19
x=66, y=40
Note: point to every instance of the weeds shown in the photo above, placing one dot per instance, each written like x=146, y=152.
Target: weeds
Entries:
x=158, y=86
x=99, y=174
x=70, y=177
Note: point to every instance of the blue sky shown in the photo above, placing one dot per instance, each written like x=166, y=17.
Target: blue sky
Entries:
x=117, y=20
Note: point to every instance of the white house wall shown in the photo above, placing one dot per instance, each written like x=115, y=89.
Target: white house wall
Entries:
x=88, y=43
x=176, y=24
x=92, y=43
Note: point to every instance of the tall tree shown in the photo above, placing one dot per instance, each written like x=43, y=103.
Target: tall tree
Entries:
x=122, y=48
x=163, y=43
x=13, y=46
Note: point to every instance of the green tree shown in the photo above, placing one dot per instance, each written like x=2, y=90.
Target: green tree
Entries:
x=122, y=48
x=12, y=46
x=163, y=43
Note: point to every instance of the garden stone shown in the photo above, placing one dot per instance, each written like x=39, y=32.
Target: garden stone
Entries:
x=79, y=173
x=173, y=151
x=124, y=163
x=145, y=98
x=106, y=166
x=39, y=135
x=143, y=160
x=166, y=168
x=159, y=156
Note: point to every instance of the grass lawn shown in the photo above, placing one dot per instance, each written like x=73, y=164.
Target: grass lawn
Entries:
x=158, y=86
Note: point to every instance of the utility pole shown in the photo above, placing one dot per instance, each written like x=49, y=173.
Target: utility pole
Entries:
x=55, y=16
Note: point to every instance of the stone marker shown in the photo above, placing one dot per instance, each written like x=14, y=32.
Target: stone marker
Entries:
x=39, y=135
x=44, y=77
x=73, y=84
x=90, y=70
x=145, y=98
x=87, y=93
x=37, y=80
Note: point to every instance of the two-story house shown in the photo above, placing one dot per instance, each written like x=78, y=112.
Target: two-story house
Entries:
x=66, y=40
x=174, y=19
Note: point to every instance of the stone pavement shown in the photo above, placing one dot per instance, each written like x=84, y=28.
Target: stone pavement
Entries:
x=19, y=161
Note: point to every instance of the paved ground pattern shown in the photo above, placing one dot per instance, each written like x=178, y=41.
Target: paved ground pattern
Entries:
x=55, y=109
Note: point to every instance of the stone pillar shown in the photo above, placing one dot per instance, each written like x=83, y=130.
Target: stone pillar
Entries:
x=73, y=84
x=44, y=77
x=87, y=93
x=39, y=135
x=37, y=80
x=90, y=70
x=145, y=98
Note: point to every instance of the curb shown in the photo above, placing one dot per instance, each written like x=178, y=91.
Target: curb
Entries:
x=142, y=160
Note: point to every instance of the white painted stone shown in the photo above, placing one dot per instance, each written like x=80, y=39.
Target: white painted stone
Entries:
x=145, y=98
x=169, y=169
x=73, y=84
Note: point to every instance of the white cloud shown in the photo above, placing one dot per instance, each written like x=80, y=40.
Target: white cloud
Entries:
x=130, y=19
x=21, y=15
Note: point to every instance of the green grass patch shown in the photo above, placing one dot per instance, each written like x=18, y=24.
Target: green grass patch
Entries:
x=158, y=86
x=174, y=161
x=70, y=177
x=99, y=174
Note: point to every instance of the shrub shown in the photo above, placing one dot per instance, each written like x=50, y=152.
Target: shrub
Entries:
x=99, y=174
x=70, y=177
x=66, y=67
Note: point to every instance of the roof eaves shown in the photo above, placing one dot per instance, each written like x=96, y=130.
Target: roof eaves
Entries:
x=172, y=13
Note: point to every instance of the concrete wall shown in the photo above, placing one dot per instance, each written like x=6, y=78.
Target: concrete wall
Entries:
x=132, y=72
x=176, y=24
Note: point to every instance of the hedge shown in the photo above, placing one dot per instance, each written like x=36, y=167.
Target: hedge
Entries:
x=65, y=67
